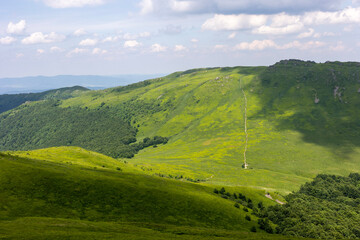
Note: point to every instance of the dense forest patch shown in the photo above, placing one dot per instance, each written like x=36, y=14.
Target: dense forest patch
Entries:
x=326, y=208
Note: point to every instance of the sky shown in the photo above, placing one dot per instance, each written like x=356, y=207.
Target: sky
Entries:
x=111, y=37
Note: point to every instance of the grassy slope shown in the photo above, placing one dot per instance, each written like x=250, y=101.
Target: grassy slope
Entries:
x=66, y=193
x=291, y=139
x=204, y=116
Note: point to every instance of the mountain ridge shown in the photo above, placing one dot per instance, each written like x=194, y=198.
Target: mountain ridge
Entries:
x=202, y=112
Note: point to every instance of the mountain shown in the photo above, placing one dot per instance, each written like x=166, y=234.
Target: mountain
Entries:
x=302, y=120
x=44, y=83
x=10, y=101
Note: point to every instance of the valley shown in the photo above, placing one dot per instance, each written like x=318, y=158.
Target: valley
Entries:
x=147, y=157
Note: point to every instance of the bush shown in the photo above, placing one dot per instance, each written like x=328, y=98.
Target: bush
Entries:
x=253, y=229
x=248, y=218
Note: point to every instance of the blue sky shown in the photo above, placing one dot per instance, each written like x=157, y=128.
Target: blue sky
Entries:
x=107, y=37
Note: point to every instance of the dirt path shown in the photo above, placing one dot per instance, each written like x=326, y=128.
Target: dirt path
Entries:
x=245, y=127
x=276, y=200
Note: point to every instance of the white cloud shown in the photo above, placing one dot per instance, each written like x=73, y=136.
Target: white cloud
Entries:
x=182, y=6
x=283, y=19
x=307, y=34
x=234, y=22
x=55, y=49
x=39, y=37
x=97, y=51
x=72, y=3
x=111, y=39
x=79, y=32
x=88, y=42
x=131, y=44
x=146, y=6
x=179, y=48
x=347, y=15
x=129, y=36
x=289, y=29
x=256, y=45
x=282, y=23
x=232, y=35
x=302, y=46
x=19, y=55
x=158, y=48
x=76, y=51
x=194, y=40
x=40, y=51
x=16, y=28
x=7, y=40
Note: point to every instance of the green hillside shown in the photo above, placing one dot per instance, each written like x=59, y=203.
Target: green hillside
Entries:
x=302, y=120
x=70, y=193
x=10, y=101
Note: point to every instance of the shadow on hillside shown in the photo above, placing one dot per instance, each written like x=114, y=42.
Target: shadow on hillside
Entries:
x=324, y=100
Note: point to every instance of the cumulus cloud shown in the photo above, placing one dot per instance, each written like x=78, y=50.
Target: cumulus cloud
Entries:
x=258, y=45
x=79, y=32
x=307, y=34
x=55, y=49
x=156, y=48
x=16, y=28
x=347, y=15
x=76, y=51
x=180, y=48
x=131, y=44
x=234, y=22
x=170, y=7
x=111, y=39
x=269, y=30
x=72, y=3
x=97, y=51
x=39, y=37
x=7, y=40
x=282, y=23
x=147, y=6
x=88, y=42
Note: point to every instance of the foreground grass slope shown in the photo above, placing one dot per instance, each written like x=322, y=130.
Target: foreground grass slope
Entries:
x=302, y=120
x=48, y=188
x=69, y=193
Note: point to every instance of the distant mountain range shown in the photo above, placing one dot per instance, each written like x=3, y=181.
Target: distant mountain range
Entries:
x=43, y=83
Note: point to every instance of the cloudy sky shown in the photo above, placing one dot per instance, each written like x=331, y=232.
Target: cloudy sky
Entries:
x=107, y=37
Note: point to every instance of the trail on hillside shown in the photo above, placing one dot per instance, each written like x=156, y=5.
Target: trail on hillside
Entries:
x=245, y=126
